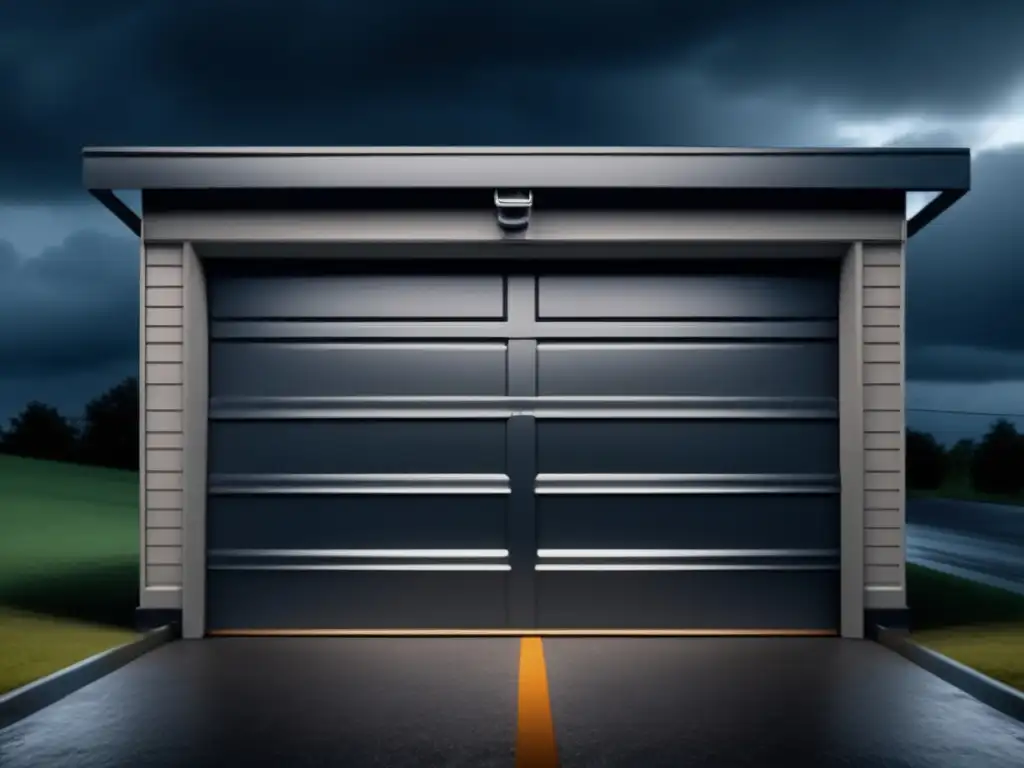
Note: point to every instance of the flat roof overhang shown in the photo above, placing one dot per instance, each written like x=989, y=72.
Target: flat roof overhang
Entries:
x=755, y=171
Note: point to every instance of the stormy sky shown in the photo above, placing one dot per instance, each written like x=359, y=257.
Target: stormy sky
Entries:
x=534, y=72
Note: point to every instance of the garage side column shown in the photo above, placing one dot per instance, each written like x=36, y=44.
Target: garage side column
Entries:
x=851, y=442
x=195, y=327
x=160, y=434
x=521, y=455
x=884, y=427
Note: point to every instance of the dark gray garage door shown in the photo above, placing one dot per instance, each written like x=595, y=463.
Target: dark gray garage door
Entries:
x=653, y=448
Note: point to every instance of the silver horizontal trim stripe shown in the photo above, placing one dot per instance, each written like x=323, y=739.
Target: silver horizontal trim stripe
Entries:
x=580, y=484
x=307, y=330
x=654, y=346
x=365, y=553
x=401, y=346
x=300, y=484
x=683, y=553
x=365, y=567
x=543, y=407
x=697, y=559
x=684, y=567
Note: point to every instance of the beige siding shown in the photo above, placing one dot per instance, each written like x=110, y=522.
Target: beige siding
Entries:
x=164, y=518
x=163, y=297
x=883, y=577
x=163, y=575
x=882, y=537
x=163, y=555
x=163, y=421
x=879, y=501
x=163, y=481
x=163, y=537
x=883, y=441
x=882, y=519
x=163, y=353
x=163, y=500
x=163, y=397
x=883, y=422
x=162, y=439
x=164, y=460
x=163, y=277
x=168, y=334
x=884, y=548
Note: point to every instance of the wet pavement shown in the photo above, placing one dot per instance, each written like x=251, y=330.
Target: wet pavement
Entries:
x=982, y=542
x=653, y=703
x=644, y=702
x=286, y=702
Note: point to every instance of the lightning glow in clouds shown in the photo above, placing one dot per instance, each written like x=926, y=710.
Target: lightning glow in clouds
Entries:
x=998, y=131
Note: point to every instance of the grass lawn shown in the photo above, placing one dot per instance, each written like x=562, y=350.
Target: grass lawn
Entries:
x=35, y=645
x=68, y=564
x=977, y=625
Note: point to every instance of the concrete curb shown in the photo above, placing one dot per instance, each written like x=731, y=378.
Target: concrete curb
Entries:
x=997, y=695
x=29, y=699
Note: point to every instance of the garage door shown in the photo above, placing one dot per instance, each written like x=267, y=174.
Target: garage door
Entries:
x=618, y=449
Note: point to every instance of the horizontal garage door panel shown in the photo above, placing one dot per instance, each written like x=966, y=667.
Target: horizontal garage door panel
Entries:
x=723, y=600
x=742, y=521
x=341, y=521
x=335, y=599
x=696, y=446
x=349, y=297
x=357, y=446
x=794, y=369
x=306, y=369
x=666, y=297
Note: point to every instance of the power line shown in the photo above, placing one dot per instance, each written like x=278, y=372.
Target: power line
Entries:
x=968, y=413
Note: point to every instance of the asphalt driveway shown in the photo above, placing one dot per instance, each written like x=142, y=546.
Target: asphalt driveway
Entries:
x=453, y=702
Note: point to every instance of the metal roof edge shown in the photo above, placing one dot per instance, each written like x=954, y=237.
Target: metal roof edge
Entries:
x=767, y=170
x=299, y=151
x=319, y=168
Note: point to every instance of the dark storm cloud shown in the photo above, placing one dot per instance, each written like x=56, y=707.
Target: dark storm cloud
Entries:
x=74, y=306
x=472, y=72
x=8, y=259
x=879, y=56
x=963, y=364
x=965, y=282
x=412, y=72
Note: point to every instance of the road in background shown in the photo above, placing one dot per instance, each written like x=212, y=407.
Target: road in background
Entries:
x=982, y=542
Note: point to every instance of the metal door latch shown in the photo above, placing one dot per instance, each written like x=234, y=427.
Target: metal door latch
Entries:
x=513, y=209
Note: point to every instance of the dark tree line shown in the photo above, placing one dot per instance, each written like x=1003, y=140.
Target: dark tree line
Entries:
x=108, y=436
x=995, y=464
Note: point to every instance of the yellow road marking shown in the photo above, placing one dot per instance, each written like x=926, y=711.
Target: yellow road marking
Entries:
x=535, y=739
x=536, y=745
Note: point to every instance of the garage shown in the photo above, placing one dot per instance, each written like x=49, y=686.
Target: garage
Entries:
x=507, y=391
